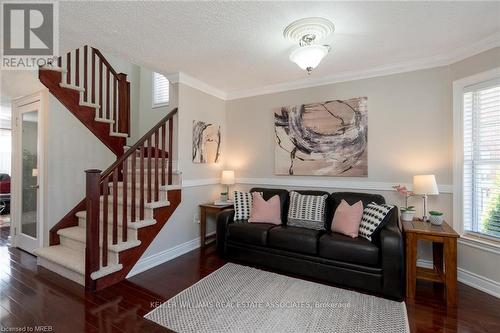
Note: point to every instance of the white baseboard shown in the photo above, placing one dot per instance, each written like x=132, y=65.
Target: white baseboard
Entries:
x=159, y=258
x=471, y=279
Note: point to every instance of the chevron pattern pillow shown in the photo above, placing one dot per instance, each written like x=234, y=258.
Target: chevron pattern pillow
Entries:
x=374, y=218
x=307, y=211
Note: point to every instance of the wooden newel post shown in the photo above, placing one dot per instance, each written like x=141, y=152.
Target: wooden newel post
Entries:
x=123, y=104
x=93, y=190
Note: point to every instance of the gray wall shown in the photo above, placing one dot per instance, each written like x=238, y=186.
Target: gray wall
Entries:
x=200, y=181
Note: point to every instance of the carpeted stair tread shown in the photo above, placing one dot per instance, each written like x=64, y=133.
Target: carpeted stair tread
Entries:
x=79, y=234
x=64, y=256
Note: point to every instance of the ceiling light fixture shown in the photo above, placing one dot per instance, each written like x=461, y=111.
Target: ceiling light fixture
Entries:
x=308, y=33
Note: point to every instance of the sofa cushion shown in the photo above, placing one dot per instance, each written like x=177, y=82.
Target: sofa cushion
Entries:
x=265, y=211
x=307, y=211
x=328, y=205
x=351, y=198
x=250, y=233
x=268, y=193
x=344, y=248
x=294, y=239
x=375, y=217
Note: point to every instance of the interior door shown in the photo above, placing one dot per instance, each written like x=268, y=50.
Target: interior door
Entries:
x=28, y=229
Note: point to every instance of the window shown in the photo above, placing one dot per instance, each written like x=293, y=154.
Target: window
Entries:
x=481, y=156
x=160, y=90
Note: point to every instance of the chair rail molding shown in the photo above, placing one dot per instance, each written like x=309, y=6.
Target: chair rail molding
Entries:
x=330, y=183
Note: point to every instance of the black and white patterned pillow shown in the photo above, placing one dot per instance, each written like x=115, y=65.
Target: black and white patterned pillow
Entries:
x=242, y=205
x=307, y=211
x=374, y=216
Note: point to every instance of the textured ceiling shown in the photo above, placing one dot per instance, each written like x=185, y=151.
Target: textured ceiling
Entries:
x=235, y=46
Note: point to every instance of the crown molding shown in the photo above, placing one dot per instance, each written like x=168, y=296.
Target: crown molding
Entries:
x=439, y=60
x=408, y=66
x=195, y=83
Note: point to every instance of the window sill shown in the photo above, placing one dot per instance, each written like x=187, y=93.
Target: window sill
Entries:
x=157, y=106
x=480, y=243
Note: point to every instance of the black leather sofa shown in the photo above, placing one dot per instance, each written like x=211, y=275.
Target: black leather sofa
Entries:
x=376, y=267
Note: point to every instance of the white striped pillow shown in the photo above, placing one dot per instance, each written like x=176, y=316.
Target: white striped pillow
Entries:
x=307, y=211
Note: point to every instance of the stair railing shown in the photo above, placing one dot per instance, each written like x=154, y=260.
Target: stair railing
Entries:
x=153, y=152
x=103, y=87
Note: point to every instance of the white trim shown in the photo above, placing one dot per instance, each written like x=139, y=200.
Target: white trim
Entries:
x=439, y=60
x=458, y=89
x=409, y=66
x=473, y=280
x=479, y=244
x=192, y=82
x=161, y=257
x=41, y=98
x=200, y=182
x=331, y=183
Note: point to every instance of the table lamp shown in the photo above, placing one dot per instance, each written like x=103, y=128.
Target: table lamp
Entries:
x=227, y=179
x=425, y=185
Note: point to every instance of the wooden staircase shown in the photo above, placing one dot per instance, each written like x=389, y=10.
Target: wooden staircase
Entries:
x=88, y=86
x=101, y=239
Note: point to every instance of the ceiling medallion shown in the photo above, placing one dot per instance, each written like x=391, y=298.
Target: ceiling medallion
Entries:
x=308, y=33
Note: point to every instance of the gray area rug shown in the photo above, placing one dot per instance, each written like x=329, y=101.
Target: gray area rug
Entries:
x=237, y=298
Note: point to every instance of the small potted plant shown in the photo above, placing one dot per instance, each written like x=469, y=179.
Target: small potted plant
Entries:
x=435, y=217
x=407, y=213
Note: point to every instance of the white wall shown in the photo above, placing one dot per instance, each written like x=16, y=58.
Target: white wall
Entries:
x=410, y=131
x=71, y=149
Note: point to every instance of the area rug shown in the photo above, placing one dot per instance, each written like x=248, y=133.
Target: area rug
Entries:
x=237, y=298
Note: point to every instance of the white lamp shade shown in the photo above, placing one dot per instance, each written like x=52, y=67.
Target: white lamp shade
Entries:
x=308, y=56
x=425, y=184
x=227, y=177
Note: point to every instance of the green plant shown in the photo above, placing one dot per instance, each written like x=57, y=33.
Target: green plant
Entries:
x=491, y=215
x=408, y=209
x=436, y=213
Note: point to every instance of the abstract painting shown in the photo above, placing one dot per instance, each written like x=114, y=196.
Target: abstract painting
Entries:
x=322, y=139
x=206, y=142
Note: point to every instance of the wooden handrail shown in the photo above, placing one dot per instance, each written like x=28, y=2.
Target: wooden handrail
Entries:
x=111, y=69
x=138, y=144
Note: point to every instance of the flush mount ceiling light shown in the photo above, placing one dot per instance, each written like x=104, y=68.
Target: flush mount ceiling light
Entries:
x=308, y=33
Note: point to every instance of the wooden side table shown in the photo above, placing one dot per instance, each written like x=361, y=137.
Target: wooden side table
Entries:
x=205, y=209
x=444, y=251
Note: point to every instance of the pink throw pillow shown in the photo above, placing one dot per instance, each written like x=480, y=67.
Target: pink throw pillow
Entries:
x=265, y=211
x=347, y=218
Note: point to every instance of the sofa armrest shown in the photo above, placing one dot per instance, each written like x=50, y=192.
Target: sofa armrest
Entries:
x=392, y=248
x=224, y=218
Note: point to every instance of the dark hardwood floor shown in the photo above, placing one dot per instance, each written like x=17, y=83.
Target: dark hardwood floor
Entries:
x=32, y=297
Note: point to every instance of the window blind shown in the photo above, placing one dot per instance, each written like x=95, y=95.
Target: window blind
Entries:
x=160, y=90
x=481, y=151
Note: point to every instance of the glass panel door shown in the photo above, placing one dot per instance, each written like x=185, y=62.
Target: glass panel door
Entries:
x=29, y=173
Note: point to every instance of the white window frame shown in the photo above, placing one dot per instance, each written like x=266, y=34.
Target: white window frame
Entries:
x=459, y=86
x=153, y=104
